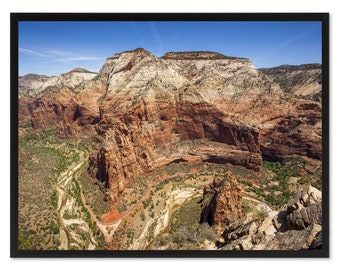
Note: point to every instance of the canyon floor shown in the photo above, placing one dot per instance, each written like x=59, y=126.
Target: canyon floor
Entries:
x=62, y=207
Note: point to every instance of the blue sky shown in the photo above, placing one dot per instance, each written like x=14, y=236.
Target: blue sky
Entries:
x=52, y=48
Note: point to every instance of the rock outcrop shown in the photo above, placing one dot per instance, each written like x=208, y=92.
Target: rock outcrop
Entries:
x=304, y=209
x=297, y=225
x=221, y=203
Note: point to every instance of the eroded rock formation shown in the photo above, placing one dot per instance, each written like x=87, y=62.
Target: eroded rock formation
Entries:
x=221, y=203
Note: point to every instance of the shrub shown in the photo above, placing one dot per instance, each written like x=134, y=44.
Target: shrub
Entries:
x=142, y=216
x=54, y=227
x=54, y=199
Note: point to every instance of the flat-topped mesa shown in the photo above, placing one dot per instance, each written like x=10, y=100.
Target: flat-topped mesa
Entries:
x=197, y=55
x=137, y=51
x=33, y=76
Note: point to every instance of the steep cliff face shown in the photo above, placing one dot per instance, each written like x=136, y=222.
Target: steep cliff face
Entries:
x=298, y=132
x=63, y=111
x=152, y=136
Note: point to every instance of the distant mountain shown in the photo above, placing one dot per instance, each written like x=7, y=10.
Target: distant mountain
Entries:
x=33, y=84
x=305, y=80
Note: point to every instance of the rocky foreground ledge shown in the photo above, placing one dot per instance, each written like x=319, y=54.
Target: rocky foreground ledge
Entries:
x=296, y=225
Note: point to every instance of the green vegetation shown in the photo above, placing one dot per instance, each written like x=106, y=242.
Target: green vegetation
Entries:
x=277, y=195
x=28, y=124
x=42, y=159
x=275, y=185
x=54, y=199
x=142, y=216
x=54, y=227
x=37, y=197
x=79, y=211
x=24, y=241
x=95, y=193
x=68, y=215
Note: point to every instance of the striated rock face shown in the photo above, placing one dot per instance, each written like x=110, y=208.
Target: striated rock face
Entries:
x=30, y=83
x=297, y=225
x=134, y=143
x=304, y=209
x=296, y=133
x=64, y=112
x=221, y=203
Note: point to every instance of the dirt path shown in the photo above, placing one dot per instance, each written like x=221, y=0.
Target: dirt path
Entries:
x=64, y=237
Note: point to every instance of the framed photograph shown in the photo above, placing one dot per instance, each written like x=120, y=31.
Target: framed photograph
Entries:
x=169, y=135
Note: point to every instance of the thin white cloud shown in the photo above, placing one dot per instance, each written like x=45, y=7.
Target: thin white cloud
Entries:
x=59, y=56
x=59, y=53
x=157, y=38
x=33, y=53
x=76, y=59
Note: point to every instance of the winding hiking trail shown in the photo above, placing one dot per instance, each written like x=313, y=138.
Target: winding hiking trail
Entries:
x=175, y=199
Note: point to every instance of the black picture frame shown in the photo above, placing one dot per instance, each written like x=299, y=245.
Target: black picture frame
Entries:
x=15, y=18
